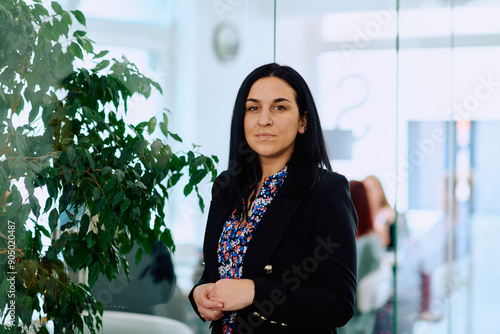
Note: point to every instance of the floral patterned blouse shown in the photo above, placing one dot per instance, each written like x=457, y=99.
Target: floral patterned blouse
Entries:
x=235, y=237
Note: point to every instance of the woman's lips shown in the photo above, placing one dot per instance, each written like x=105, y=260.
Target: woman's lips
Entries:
x=265, y=136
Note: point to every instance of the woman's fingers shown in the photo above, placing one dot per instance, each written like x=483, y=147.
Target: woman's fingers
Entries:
x=210, y=315
x=210, y=304
x=235, y=294
x=208, y=309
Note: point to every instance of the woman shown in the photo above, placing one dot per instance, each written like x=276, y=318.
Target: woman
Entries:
x=279, y=249
x=370, y=253
x=414, y=295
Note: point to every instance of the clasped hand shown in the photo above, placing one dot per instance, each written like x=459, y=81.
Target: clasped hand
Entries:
x=213, y=299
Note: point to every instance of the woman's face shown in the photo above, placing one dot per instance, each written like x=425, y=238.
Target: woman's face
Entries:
x=272, y=119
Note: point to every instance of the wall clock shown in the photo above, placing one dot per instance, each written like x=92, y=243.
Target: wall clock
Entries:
x=226, y=41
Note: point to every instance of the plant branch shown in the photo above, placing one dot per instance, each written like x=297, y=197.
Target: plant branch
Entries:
x=6, y=149
x=17, y=249
x=18, y=98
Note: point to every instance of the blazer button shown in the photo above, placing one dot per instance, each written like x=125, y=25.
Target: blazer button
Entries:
x=258, y=315
x=268, y=269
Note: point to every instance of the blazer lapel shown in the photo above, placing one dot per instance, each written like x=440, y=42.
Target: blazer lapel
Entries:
x=271, y=228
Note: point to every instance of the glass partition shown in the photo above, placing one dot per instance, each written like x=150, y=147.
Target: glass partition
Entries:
x=347, y=52
x=215, y=46
x=407, y=92
x=475, y=105
x=201, y=51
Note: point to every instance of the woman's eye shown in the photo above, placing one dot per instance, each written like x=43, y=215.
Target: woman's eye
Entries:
x=280, y=108
x=252, y=108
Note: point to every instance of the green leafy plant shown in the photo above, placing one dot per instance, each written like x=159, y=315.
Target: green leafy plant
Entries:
x=108, y=179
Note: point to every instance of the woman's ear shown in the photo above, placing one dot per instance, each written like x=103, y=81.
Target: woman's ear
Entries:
x=303, y=123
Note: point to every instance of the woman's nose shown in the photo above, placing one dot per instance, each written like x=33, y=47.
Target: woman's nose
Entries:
x=265, y=118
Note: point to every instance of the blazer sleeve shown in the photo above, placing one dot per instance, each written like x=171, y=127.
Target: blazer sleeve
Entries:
x=203, y=280
x=322, y=293
x=218, y=189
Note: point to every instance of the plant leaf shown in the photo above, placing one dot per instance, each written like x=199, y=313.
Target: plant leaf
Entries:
x=157, y=86
x=57, y=8
x=79, y=17
x=118, y=198
x=175, y=136
x=94, y=271
x=79, y=33
x=101, y=54
x=125, y=204
x=188, y=188
x=41, y=10
x=152, y=125
x=53, y=219
x=76, y=50
x=71, y=153
x=84, y=224
x=102, y=65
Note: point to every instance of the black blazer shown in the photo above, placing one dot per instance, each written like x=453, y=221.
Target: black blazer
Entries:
x=302, y=258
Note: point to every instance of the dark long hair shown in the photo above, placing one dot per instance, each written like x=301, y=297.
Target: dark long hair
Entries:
x=310, y=157
x=359, y=198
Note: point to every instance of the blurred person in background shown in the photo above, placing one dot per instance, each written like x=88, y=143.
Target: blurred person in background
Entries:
x=383, y=214
x=370, y=255
x=413, y=294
